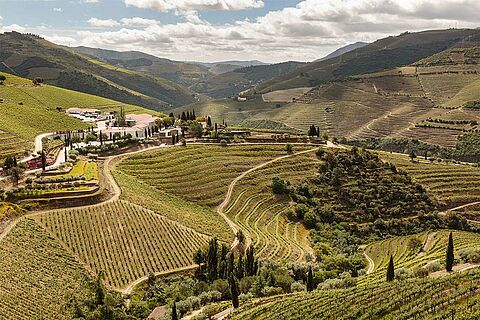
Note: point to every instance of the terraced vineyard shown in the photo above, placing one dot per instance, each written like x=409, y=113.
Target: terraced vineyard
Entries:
x=264, y=216
x=198, y=173
x=415, y=299
x=124, y=240
x=12, y=144
x=406, y=255
x=36, y=273
x=190, y=214
x=452, y=184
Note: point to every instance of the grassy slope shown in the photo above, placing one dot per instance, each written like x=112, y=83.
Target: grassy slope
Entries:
x=35, y=275
x=31, y=57
x=124, y=240
x=27, y=110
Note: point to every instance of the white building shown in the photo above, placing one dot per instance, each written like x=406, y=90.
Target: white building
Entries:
x=137, y=126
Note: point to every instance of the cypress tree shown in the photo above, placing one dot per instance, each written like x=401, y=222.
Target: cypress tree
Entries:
x=14, y=161
x=194, y=117
x=310, y=279
x=390, y=270
x=188, y=116
x=230, y=263
x=44, y=160
x=216, y=127
x=174, y=311
x=212, y=259
x=250, y=262
x=209, y=122
x=240, y=267
x=450, y=255
x=183, y=117
x=234, y=290
x=101, y=138
x=171, y=115
x=66, y=154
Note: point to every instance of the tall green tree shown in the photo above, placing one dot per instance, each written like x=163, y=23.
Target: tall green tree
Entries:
x=310, y=279
x=234, y=291
x=390, y=270
x=212, y=259
x=450, y=255
x=413, y=155
x=250, y=262
x=240, y=268
x=44, y=160
x=174, y=311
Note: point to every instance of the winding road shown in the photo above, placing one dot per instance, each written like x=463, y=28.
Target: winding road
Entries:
x=228, y=196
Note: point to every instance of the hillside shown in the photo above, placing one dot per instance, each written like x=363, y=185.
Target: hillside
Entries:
x=432, y=100
x=439, y=298
x=233, y=82
x=387, y=53
x=27, y=110
x=179, y=72
x=343, y=50
x=31, y=57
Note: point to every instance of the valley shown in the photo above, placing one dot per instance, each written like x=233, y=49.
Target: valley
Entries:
x=343, y=188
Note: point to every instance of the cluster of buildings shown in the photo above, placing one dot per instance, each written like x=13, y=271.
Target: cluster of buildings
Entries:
x=137, y=125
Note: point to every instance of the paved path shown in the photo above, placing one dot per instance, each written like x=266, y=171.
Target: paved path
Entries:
x=371, y=264
x=228, y=196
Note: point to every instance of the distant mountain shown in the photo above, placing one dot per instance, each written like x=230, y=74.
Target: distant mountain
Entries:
x=383, y=54
x=343, y=50
x=31, y=57
x=233, y=82
x=237, y=63
x=179, y=72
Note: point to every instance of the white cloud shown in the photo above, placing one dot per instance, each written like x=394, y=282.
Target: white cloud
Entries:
x=103, y=22
x=89, y=1
x=187, y=5
x=137, y=21
x=307, y=31
x=62, y=40
x=12, y=27
x=58, y=9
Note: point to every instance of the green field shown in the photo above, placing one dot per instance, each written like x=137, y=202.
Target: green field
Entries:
x=264, y=216
x=27, y=110
x=123, y=240
x=36, y=274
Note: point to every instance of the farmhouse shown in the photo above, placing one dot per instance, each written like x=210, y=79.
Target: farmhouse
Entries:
x=137, y=125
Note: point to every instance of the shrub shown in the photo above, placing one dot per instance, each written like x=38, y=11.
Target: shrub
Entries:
x=297, y=287
x=279, y=186
x=289, y=148
x=403, y=273
x=223, y=143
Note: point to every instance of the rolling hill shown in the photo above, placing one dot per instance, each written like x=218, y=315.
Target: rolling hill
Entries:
x=343, y=50
x=386, y=53
x=27, y=110
x=179, y=72
x=33, y=57
x=233, y=82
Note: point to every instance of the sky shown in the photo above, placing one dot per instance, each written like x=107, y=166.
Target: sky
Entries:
x=219, y=30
